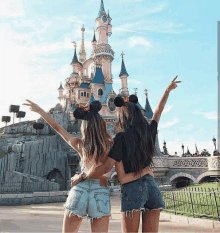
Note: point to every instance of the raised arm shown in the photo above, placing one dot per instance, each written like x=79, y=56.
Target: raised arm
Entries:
x=72, y=141
x=128, y=177
x=159, y=109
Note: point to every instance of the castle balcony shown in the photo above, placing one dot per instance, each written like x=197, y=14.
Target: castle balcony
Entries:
x=104, y=51
x=188, y=162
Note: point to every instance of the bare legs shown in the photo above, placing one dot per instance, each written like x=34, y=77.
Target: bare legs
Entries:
x=100, y=224
x=72, y=223
x=150, y=221
x=131, y=223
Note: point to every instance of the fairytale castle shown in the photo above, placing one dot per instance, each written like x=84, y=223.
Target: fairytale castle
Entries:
x=91, y=78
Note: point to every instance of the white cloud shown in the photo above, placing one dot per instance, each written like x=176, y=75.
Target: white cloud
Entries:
x=155, y=9
x=207, y=115
x=23, y=77
x=134, y=81
x=142, y=26
x=167, y=108
x=11, y=8
x=136, y=40
x=74, y=19
x=188, y=127
x=168, y=124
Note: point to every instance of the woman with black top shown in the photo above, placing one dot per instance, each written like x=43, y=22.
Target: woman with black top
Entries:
x=132, y=151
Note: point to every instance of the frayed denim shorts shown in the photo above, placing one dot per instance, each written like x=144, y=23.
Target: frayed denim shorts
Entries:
x=88, y=199
x=141, y=194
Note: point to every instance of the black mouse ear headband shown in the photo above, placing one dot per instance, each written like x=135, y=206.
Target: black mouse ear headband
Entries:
x=119, y=101
x=82, y=111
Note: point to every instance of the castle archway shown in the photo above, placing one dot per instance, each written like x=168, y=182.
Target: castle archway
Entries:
x=182, y=179
x=206, y=177
x=56, y=176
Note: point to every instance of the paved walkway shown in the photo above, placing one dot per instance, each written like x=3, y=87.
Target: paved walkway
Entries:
x=49, y=217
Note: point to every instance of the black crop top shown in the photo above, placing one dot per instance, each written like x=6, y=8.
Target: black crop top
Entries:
x=118, y=150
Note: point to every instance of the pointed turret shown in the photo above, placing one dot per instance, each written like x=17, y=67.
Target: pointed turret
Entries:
x=94, y=38
x=108, y=15
x=123, y=76
x=94, y=42
x=75, y=58
x=60, y=89
x=138, y=104
x=82, y=52
x=123, y=69
x=148, y=111
x=101, y=10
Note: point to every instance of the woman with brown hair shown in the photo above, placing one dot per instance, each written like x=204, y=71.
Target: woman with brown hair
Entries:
x=86, y=197
x=133, y=151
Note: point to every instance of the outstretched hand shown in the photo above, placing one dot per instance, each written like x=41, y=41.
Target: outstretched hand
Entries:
x=33, y=107
x=173, y=85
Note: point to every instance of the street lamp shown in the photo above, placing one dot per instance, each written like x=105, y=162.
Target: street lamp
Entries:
x=214, y=141
x=164, y=147
x=183, y=148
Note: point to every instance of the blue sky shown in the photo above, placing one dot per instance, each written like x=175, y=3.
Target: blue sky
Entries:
x=160, y=39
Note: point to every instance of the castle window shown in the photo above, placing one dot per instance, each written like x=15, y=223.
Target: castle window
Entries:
x=84, y=93
x=100, y=92
x=81, y=93
x=87, y=94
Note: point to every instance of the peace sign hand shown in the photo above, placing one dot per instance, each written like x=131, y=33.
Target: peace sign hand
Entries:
x=33, y=107
x=173, y=85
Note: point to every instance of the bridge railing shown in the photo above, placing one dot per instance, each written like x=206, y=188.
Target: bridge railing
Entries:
x=196, y=202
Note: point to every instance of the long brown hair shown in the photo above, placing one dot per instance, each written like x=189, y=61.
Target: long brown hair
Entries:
x=96, y=141
x=140, y=146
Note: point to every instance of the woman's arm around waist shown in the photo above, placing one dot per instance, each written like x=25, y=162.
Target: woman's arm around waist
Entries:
x=128, y=177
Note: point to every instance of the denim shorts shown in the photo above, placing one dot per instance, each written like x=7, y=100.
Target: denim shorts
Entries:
x=141, y=194
x=88, y=199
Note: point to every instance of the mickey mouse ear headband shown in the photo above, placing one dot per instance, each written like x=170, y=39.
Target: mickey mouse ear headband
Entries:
x=119, y=101
x=81, y=112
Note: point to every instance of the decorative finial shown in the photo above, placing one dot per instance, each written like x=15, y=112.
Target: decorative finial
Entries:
x=122, y=55
x=145, y=92
x=135, y=91
x=83, y=29
x=74, y=44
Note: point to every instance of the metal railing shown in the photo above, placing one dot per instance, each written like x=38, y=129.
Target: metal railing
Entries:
x=195, y=202
x=28, y=186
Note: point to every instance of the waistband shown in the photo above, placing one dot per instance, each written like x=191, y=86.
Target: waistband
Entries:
x=102, y=181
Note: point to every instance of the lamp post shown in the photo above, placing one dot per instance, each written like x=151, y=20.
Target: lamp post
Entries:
x=183, y=148
x=214, y=141
x=164, y=147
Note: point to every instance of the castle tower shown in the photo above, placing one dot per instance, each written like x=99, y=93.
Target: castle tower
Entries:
x=82, y=52
x=94, y=42
x=60, y=89
x=123, y=76
x=103, y=54
x=77, y=66
x=148, y=111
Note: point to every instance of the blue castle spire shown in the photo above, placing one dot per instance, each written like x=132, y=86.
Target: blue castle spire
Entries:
x=101, y=10
x=123, y=69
